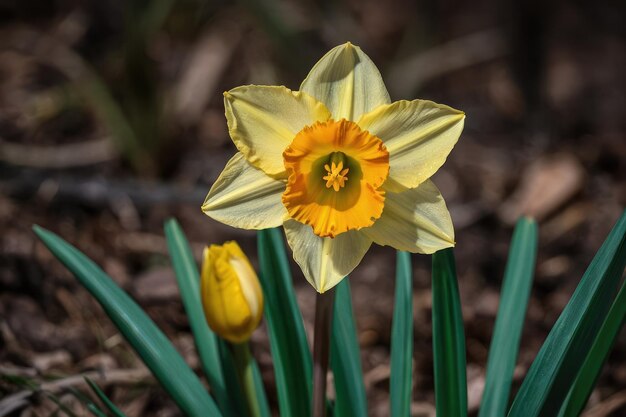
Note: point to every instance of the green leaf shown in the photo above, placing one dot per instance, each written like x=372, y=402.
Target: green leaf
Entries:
x=402, y=339
x=234, y=364
x=93, y=409
x=288, y=344
x=345, y=357
x=590, y=370
x=105, y=400
x=87, y=402
x=554, y=369
x=448, y=339
x=139, y=330
x=205, y=339
x=251, y=386
x=518, y=278
x=230, y=378
x=259, y=388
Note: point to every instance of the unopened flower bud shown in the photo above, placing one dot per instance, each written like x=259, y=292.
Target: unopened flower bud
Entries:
x=231, y=293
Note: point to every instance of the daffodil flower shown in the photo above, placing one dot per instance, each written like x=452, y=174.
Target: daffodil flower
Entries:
x=338, y=165
x=231, y=293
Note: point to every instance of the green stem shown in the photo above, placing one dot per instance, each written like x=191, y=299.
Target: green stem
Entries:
x=321, y=350
x=245, y=373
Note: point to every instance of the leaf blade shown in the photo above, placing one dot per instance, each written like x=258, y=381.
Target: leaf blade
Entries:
x=288, y=343
x=448, y=338
x=233, y=384
x=591, y=368
x=504, y=348
x=105, y=400
x=259, y=389
x=345, y=359
x=188, y=279
x=139, y=330
x=554, y=369
x=402, y=339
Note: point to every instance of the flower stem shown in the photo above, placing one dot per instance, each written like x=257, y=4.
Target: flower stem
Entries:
x=321, y=350
x=243, y=361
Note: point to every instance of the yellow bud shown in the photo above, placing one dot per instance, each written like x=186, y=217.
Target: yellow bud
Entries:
x=231, y=293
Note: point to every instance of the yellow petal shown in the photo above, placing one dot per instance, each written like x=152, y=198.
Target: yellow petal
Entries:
x=248, y=279
x=347, y=82
x=325, y=261
x=245, y=197
x=418, y=134
x=263, y=120
x=415, y=220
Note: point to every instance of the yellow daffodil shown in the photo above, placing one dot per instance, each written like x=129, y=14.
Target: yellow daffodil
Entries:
x=231, y=293
x=338, y=165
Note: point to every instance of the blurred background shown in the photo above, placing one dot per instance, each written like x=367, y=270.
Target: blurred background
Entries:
x=111, y=121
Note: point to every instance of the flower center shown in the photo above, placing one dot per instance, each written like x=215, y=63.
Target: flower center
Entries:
x=336, y=172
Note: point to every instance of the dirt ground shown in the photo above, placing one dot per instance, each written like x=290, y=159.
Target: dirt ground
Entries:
x=111, y=121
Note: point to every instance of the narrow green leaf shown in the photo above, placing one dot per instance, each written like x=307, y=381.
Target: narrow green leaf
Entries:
x=259, y=388
x=402, y=339
x=345, y=357
x=518, y=278
x=205, y=339
x=554, y=369
x=448, y=338
x=249, y=378
x=590, y=370
x=288, y=344
x=93, y=409
x=230, y=378
x=139, y=330
x=87, y=402
x=105, y=400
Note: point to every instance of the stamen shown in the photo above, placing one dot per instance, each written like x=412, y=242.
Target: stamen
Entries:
x=336, y=177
